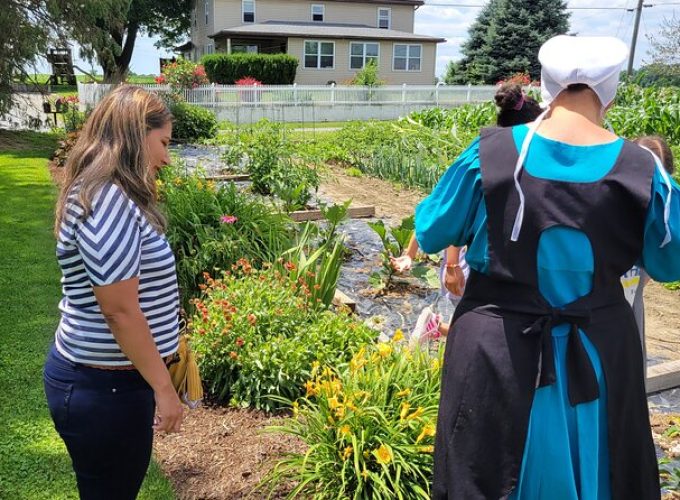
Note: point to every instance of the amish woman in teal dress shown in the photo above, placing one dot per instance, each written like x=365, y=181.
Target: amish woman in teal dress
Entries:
x=543, y=385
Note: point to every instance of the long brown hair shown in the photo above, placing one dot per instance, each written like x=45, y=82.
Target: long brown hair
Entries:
x=112, y=148
x=660, y=148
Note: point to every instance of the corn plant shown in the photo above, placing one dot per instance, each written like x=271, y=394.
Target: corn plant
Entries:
x=395, y=241
x=369, y=427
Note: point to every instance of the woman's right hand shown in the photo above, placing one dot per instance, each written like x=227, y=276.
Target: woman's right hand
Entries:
x=401, y=264
x=169, y=411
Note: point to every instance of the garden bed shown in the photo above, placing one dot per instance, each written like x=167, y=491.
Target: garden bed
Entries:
x=222, y=453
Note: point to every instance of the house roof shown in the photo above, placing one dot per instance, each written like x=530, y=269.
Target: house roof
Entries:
x=185, y=47
x=319, y=30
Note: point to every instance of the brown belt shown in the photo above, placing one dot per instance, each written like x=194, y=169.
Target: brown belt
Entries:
x=168, y=360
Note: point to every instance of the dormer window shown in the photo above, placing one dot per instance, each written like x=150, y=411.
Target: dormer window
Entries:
x=318, y=11
x=384, y=18
x=248, y=11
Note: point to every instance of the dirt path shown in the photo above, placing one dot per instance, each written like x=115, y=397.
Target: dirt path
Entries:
x=662, y=306
x=662, y=316
x=390, y=202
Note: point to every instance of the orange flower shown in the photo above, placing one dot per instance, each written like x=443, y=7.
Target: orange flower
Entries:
x=252, y=319
x=233, y=355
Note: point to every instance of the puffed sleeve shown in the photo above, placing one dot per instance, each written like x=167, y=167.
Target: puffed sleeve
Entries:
x=450, y=214
x=661, y=251
x=109, y=239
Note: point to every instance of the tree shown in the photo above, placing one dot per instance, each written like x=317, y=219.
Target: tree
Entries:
x=506, y=37
x=666, y=50
x=473, y=67
x=25, y=27
x=107, y=29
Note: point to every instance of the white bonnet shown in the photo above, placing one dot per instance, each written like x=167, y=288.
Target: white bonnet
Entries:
x=594, y=60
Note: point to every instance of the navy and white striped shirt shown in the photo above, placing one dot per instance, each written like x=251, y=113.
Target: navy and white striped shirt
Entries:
x=113, y=244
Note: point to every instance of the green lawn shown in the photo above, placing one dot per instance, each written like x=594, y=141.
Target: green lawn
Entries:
x=33, y=460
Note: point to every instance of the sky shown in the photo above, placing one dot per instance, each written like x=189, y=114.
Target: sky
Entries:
x=452, y=23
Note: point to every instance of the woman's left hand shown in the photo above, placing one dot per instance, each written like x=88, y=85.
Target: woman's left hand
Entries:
x=454, y=280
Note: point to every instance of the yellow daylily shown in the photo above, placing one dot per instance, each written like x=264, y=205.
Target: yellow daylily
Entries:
x=383, y=454
x=398, y=335
x=404, y=393
x=346, y=453
x=345, y=430
x=416, y=414
x=311, y=388
x=428, y=431
x=405, y=407
x=426, y=449
x=384, y=350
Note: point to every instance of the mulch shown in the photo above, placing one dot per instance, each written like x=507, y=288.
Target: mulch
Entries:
x=222, y=453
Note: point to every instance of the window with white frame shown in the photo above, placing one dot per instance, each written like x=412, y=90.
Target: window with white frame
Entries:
x=361, y=53
x=407, y=57
x=318, y=12
x=206, y=8
x=384, y=18
x=210, y=48
x=248, y=7
x=319, y=55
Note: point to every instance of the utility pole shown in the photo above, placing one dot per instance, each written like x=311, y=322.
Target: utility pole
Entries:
x=636, y=29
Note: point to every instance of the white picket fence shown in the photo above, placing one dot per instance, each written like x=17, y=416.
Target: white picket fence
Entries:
x=240, y=104
x=215, y=96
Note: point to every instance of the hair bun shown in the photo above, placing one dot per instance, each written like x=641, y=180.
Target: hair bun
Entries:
x=508, y=96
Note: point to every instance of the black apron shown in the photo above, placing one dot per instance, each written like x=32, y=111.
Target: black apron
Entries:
x=500, y=345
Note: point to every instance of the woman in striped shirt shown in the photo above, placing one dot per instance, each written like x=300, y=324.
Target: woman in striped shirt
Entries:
x=106, y=379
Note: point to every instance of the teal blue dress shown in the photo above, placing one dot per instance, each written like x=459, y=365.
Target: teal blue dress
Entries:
x=566, y=451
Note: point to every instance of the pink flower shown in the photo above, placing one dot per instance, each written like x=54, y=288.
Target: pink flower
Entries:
x=160, y=79
x=228, y=219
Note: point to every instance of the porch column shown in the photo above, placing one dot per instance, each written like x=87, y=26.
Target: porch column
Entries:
x=228, y=45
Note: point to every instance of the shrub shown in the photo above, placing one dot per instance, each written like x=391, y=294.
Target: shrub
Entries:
x=64, y=148
x=256, y=336
x=270, y=69
x=369, y=427
x=212, y=226
x=193, y=123
x=183, y=74
x=368, y=76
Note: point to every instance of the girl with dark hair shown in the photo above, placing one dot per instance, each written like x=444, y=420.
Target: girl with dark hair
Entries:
x=515, y=107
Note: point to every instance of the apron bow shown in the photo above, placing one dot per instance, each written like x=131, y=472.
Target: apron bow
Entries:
x=582, y=385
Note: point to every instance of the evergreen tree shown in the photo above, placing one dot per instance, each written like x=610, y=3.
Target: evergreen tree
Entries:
x=473, y=67
x=506, y=37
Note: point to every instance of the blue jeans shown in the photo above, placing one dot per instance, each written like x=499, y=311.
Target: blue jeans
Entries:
x=105, y=417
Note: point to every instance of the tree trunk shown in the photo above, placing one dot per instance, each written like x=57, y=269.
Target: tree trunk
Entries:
x=116, y=71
